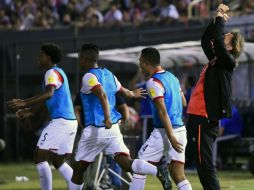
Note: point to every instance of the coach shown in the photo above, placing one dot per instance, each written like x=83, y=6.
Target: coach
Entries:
x=211, y=99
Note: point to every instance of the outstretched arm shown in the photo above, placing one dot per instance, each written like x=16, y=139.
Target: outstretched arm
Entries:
x=19, y=103
x=138, y=93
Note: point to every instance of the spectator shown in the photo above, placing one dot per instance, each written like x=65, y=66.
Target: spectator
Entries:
x=168, y=11
x=5, y=21
x=114, y=16
x=27, y=19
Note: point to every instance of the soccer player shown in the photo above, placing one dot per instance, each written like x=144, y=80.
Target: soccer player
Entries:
x=56, y=140
x=101, y=132
x=123, y=109
x=169, y=134
x=211, y=99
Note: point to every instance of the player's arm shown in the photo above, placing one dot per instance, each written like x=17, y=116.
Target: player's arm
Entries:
x=100, y=93
x=156, y=92
x=90, y=84
x=78, y=110
x=20, y=103
x=26, y=112
x=165, y=120
x=122, y=108
x=137, y=93
x=53, y=80
x=184, y=102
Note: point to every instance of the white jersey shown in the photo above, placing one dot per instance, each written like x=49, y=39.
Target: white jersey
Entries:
x=90, y=81
x=53, y=78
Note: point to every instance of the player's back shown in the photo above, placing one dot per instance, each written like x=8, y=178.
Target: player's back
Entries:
x=93, y=112
x=60, y=104
x=172, y=97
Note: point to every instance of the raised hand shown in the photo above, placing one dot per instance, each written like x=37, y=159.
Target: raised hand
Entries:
x=224, y=8
x=225, y=17
x=139, y=93
x=16, y=103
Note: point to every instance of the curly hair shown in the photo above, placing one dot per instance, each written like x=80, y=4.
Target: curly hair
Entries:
x=52, y=50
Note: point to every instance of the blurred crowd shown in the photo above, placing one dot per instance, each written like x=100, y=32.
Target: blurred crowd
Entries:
x=34, y=14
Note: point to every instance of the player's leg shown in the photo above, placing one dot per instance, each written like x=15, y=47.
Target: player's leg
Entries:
x=66, y=137
x=178, y=176
x=177, y=161
x=138, y=166
x=45, y=146
x=64, y=169
x=79, y=168
x=89, y=147
x=42, y=165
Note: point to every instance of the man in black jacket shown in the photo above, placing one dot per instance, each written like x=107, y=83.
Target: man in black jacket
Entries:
x=211, y=99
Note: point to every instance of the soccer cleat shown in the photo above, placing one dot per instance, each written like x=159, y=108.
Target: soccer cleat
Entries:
x=163, y=176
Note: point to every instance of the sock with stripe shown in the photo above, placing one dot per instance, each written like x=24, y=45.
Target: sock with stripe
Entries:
x=138, y=182
x=184, y=185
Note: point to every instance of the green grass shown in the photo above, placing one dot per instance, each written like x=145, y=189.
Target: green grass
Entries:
x=236, y=180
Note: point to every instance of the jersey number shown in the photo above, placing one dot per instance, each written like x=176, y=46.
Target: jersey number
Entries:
x=45, y=136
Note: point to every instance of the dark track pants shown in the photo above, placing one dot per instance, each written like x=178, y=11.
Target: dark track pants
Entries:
x=203, y=134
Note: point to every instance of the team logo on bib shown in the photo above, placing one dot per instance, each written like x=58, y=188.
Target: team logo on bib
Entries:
x=51, y=80
x=92, y=81
x=152, y=92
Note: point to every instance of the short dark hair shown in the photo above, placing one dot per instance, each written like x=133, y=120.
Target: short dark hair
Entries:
x=53, y=51
x=91, y=52
x=151, y=55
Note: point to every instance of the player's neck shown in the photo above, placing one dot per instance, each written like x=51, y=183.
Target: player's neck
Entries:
x=50, y=66
x=157, y=69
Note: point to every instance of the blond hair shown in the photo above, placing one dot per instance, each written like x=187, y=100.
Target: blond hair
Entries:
x=237, y=43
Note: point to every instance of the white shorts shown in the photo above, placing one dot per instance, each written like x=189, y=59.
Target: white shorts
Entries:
x=158, y=145
x=95, y=140
x=58, y=136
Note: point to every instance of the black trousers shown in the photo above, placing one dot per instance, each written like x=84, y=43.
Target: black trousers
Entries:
x=203, y=134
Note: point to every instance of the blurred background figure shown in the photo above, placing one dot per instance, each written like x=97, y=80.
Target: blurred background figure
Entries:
x=229, y=131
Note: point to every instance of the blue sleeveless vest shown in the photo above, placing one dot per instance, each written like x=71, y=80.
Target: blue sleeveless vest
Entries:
x=60, y=104
x=93, y=111
x=172, y=99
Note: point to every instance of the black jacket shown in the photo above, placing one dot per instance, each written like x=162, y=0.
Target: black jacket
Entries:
x=217, y=86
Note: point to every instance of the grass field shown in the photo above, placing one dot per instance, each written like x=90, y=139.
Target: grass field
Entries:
x=236, y=180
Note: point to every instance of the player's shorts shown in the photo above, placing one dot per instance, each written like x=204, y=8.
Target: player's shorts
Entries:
x=158, y=145
x=95, y=140
x=58, y=136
